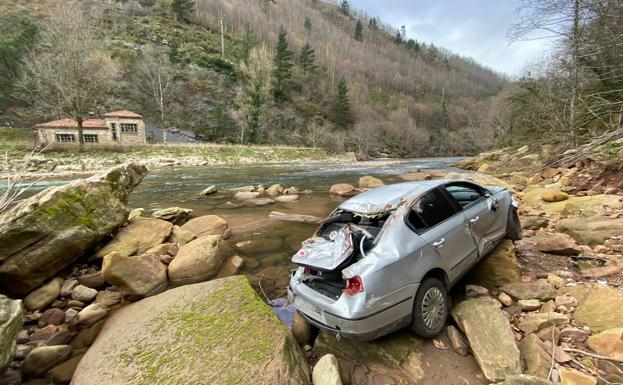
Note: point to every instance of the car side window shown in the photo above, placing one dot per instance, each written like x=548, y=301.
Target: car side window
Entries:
x=465, y=194
x=429, y=210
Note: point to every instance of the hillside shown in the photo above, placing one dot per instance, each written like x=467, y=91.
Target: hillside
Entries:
x=401, y=98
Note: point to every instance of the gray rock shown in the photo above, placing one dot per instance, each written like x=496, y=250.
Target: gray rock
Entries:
x=40, y=360
x=70, y=314
x=42, y=235
x=83, y=294
x=209, y=190
x=43, y=296
x=89, y=315
x=11, y=321
x=490, y=337
x=326, y=371
x=175, y=215
x=68, y=285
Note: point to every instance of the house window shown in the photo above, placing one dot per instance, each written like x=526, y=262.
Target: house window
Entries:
x=90, y=138
x=129, y=128
x=65, y=138
x=113, y=130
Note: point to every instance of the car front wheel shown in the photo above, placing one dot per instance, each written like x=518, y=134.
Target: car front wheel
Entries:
x=513, y=226
x=430, y=308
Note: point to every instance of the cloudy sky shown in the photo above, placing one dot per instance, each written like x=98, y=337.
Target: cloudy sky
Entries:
x=475, y=28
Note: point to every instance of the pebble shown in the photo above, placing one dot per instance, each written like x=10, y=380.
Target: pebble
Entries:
x=529, y=304
x=505, y=299
x=83, y=294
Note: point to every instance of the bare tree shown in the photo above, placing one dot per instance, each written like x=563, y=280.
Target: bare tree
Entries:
x=155, y=78
x=69, y=75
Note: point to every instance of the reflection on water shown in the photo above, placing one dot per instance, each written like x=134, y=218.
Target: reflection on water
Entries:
x=272, y=242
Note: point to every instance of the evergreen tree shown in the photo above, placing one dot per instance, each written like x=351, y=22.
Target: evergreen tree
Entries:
x=282, y=73
x=398, y=38
x=373, y=23
x=182, y=8
x=173, y=52
x=248, y=42
x=341, y=114
x=308, y=26
x=307, y=58
x=411, y=44
x=345, y=6
x=359, y=31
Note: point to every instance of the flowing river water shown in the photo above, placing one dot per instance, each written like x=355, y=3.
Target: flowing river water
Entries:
x=272, y=242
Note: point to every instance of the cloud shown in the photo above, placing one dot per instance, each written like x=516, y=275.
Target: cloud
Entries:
x=474, y=28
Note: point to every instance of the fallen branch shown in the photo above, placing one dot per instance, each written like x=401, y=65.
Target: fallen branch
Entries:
x=593, y=355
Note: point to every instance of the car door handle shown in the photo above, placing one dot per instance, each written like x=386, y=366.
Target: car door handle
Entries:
x=439, y=243
x=474, y=220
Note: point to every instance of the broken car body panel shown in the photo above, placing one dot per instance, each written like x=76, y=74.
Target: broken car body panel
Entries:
x=389, y=252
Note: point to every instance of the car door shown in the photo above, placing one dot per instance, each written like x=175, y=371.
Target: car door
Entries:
x=481, y=212
x=445, y=229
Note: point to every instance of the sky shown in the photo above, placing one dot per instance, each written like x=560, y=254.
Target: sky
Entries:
x=474, y=28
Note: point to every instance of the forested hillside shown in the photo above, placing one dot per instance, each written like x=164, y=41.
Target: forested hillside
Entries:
x=301, y=72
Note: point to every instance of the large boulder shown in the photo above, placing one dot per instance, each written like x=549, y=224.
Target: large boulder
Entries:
x=196, y=261
x=600, y=307
x=141, y=275
x=608, y=343
x=591, y=231
x=499, y=268
x=138, y=237
x=43, y=234
x=583, y=205
x=394, y=359
x=554, y=243
x=490, y=337
x=207, y=225
x=11, y=321
x=216, y=332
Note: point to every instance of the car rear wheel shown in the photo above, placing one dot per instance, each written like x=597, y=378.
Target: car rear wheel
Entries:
x=430, y=308
x=513, y=226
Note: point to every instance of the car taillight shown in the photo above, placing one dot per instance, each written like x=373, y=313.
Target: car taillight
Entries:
x=354, y=285
x=306, y=270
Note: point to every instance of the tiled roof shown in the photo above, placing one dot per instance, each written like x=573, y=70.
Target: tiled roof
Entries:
x=69, y=123
x=123, y=114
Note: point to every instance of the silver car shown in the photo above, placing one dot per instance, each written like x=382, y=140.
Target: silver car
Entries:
x=385, y=259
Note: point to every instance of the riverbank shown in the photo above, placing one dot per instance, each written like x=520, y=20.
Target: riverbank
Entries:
x=66, y=162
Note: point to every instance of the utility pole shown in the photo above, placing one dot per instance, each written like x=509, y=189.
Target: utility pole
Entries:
x=220, y=19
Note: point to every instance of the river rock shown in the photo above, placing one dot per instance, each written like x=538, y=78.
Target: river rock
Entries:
x=608, y=343
x=11, y=377
x=209, y=190
x=11, y=321
x=138, y=237
x=525, y=379
x=301, y=329
x=286, y=198
x=108, y=298
x=40, y=360
x=85, y=338
x=42, y=235
x=370, y=182
x=326, y=371
x=89, y=315
x=554, y=196
x=219, y=331
x=63, y=373
x=600, y=307
x=534, y=222
x=258, y=202
x=142, y=275
x=543, y=291
x=499, y=268
x=67, y=286
x=534, y=358
x=570, y=376
x=43, y=296
x=181, y=236
x=534, y=322
x=175, y=215
x=393, y=359
x=53, y=316
x=231, y=267
x=591, y=231
x=529, y=304
x=554, y=243
x=274, y=190
x=490, y=337
x=93, y=280
x=207, y=225
x=343, y=190
x=196, y=261
x=83, y=293
x=243, y=196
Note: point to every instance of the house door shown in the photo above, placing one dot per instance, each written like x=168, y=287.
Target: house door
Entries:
x=113, y=130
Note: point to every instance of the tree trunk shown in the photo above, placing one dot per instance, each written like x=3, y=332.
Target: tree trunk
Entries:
x=80, y=135
x=164, y=127
x=574, y=69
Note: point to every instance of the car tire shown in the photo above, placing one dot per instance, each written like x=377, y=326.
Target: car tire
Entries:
x=430, y=308
x=513, y=226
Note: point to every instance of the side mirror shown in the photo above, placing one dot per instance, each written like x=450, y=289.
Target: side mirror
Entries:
x=493, y=203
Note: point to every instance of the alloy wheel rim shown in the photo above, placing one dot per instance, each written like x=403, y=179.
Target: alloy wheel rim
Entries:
x=433, y=308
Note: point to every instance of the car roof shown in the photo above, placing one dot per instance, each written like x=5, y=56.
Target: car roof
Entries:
x=383, y=199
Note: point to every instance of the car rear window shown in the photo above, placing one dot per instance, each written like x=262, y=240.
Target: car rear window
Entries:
x=431, y=209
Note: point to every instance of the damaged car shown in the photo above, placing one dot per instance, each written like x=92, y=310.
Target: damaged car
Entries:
x=386, y=258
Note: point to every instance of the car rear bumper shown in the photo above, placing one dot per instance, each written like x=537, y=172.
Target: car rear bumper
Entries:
x=343, y=317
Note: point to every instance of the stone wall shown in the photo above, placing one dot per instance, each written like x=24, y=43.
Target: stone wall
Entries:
x=47, y=135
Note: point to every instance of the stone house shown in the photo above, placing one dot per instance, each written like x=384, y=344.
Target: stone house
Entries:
x=114, y=128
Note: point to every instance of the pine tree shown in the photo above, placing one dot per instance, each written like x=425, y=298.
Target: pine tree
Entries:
x=398, y=38
x=308, y=26
x=345, y=6
x=307, y=58
x=248, y=42
x=359, y=31
x=411, y=44
x=341, y=114
x=182, y=8
x=373, y=23
x=282, y=73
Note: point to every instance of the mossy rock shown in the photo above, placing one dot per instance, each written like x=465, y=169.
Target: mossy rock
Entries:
x=600, y=307
x=11, y=322
x=216, y=332
x=583, y=205
x=138, y=237
x=43, y=234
